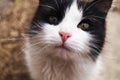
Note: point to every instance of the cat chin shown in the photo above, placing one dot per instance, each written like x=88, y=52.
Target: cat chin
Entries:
x=62, y=53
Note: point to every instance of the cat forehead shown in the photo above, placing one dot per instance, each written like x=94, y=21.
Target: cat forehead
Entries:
x=73, y=10
x=73, y=16
x=64, y=3
x=66, y=0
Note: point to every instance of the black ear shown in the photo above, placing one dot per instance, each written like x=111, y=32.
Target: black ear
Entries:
x=103, y=5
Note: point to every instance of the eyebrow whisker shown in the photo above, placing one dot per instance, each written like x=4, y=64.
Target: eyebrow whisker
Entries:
x=48, y=7
x=56, y=3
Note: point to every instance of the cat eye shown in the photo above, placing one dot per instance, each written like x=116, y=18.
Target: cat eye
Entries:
x=84, y=26
x=53, y=19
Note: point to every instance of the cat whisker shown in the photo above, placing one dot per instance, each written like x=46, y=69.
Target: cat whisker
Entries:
x=36, y=48
x=48, y=7
x=90, y=6
x=57, y=4
x=39, y=50
x=98, y=17
x=84, y=6
x=97, y=50
x=93, y=18
x=31, y=32
x=35, y=44
x=61, y=1
x=37, y=24
x=105, y=56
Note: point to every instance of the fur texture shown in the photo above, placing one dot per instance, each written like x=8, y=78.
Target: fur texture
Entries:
x=48, y=58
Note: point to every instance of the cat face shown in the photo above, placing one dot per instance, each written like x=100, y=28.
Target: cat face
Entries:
x=69, y=29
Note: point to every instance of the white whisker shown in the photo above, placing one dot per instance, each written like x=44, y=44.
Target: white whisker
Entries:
x=48, y=7
x=98, y=17
x=57, y=4
x=91, y=5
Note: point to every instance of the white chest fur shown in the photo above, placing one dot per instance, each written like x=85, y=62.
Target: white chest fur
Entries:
x=42, y=68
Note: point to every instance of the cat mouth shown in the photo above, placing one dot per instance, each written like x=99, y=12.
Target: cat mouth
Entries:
x=63, y=47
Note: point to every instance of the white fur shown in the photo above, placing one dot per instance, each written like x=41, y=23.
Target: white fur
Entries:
x=49, y=63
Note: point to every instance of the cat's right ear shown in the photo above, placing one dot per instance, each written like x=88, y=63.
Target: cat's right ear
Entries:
x=43, y=1
x=103, y=5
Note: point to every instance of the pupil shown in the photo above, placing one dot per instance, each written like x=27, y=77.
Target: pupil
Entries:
x=54, y=19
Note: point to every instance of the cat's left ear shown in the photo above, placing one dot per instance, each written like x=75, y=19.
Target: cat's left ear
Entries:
x=103, y=5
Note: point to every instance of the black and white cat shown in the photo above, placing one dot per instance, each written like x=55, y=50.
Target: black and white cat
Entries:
x=65, y=39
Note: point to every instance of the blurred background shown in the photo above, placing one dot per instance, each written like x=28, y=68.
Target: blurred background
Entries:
x=15, y=17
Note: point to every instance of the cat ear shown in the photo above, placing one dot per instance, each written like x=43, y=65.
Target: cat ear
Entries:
x=104, y=5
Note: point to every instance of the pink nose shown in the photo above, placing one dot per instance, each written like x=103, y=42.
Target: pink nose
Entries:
x=64, y=36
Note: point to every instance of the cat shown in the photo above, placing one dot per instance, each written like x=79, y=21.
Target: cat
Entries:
x=65, y=39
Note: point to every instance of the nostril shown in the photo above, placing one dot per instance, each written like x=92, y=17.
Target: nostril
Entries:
x=68, y=36
x=64, y=36
x=61, y=34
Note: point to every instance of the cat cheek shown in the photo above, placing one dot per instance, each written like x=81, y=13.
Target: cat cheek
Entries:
x=51, y=35
x=80, y=42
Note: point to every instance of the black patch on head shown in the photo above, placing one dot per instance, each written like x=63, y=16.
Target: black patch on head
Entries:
x=49, y=8
x=94, y=14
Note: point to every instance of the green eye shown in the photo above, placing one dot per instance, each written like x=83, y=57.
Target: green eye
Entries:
x=53, y=19
x=84, y=26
